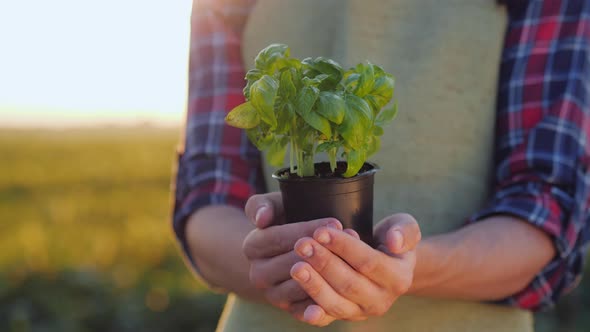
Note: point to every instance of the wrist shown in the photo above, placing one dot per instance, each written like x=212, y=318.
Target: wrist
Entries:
x=433, y=264
x=221, y=264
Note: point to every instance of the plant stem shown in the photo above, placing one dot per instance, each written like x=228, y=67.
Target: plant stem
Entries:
x=292, y=154
x=332, y=154
x=307, y=168
x=298, y=156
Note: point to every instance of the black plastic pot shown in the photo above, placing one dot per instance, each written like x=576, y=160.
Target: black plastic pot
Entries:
x=350, y=200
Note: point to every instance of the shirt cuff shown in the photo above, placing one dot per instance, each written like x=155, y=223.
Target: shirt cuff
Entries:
x=201, y=182
x=543, y=206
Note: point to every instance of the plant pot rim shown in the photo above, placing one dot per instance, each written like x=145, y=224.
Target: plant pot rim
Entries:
x=373, y=170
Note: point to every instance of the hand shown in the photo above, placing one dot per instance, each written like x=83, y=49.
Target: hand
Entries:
x=269, y=248
x=347, y=278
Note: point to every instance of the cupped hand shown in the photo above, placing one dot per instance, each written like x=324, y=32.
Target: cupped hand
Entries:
x=349, y=280
x=269, y=248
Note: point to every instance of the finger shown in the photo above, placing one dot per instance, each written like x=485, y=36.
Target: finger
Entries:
x=399, y=233
x=371, y=263
x=347, y=282
x=277, y=240
x=297, y=309
x=308, y=312
x=316, y=315
x=352, y=233
x=286, y=294
x=265, y=273
x=322, y=293
x=265, y=210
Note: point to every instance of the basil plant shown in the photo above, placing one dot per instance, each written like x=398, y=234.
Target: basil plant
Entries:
x=312, y=105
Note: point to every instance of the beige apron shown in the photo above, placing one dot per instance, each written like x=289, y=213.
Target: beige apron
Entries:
x=436, y=157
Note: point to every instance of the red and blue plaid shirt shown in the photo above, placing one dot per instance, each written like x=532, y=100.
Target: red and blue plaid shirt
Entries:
x=543, y=123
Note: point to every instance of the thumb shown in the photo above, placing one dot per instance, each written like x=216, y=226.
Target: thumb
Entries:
x=399, y=233
x=265, y=210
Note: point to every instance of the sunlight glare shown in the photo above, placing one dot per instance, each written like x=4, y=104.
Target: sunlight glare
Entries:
x=71, y=61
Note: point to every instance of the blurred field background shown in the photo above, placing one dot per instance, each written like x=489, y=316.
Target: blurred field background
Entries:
x=86, y=244
x=85, y=239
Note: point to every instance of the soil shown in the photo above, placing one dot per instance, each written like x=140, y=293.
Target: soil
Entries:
x=322, y=170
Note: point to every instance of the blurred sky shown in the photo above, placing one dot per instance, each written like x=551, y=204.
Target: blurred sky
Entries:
x=82, y=62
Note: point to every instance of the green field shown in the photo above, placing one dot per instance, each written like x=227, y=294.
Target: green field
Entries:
x=86, y=243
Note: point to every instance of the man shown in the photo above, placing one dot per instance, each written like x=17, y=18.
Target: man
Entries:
x=524, y=246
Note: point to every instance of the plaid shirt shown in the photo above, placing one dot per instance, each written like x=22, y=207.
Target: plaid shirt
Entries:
x=543, y=119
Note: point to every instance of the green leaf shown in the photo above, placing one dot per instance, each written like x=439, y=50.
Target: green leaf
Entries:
x=352, y=134
x=328, y=67
x=262, y=96
x=319, y=123
x=356, y=104
x=377, y=131
x=331, y=106
x=354, y=160
x=316, y=81
x=281, y=64
x=324, y=66
x=382, y=91
x=296, y=77
x=383, y=88
x=243, y=116
x=304, y=135
x=373, y=102
x=305, y=100
x=285, y=118
x=386, y=115
x=266, y=58
x=252, y=76
x=366, y=79
x=304, y=107
x=328, y=146
x=287, y=89
x=277, y=152
x=260, y=137
x=373, y=145
x=351, y=80
x=357, y=122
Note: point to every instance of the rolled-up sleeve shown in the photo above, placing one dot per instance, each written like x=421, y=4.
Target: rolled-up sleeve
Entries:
x=217, y=164
x=542, y=151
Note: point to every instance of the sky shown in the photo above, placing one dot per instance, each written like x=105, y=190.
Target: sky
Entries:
x=82, y=62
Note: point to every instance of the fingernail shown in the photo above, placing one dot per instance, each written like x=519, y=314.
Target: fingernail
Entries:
x=306, y=250
x=259, y=214
x=323, y=238
x=398, y=240
x=334, y=225
x=302, y=275
x=310, y=314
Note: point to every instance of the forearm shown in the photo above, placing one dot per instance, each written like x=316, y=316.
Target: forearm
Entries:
x=489, y=260
x=215, y=235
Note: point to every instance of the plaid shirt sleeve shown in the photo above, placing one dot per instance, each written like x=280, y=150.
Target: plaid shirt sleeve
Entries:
x=542, y=151
x=218, y=165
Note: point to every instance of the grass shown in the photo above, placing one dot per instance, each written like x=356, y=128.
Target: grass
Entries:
x=85, y=217
x=86, y=243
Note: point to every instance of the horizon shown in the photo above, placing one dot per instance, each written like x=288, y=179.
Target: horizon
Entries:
x=62, y=118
